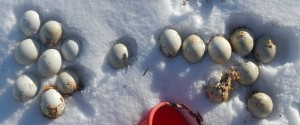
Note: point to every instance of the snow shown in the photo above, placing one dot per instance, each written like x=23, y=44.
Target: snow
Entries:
x=124, y=96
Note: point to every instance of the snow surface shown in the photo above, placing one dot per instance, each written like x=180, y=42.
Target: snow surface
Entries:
x=124, y=96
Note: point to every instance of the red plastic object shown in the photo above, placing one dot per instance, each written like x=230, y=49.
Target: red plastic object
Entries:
x=164, y=114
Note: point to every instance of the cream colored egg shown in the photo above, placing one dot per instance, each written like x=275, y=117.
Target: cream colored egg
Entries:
x=219, y=49
x=49, y=63
x=52, y=103
x=51, y=33
x=169, y=42
x=264, y=50
x=248, y=72
x=27, y=51
x=30, y=23
x=242, y=41
x=260, y=105
x=118, y=56
x=70, y=50
x=25, y=87
x=193, y=48
x=67, y=82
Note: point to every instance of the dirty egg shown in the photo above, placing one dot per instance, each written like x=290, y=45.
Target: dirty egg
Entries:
x=51, y=33
x=67, y=82
x=25, y=87
x=30, y=23
x=248, y=72
x=70, y=50
x=193, y=48
x=118, y=56
x=265, y=50
x=52, y=103
x=49, y=63
x=169, y=42
x=219, y=85
x=260, y=105
x=27, y=51
x=219, y=49
x=242, y=41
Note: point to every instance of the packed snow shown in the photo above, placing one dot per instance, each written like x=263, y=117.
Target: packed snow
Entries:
x=124, y=96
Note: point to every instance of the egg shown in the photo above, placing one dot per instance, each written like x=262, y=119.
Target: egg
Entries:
x=193, y=48
x=51, y=33
x=49, y=63
x=118, y=56
x=219, y=49
x=264, y=50
x=27, y=51
x=25, y=87
x=169, y=42
x=30, y=23
x=52, y=103
x=242, y=41
x=67, y=82
x=248, y=73
x=70, y=50
x=260, y=105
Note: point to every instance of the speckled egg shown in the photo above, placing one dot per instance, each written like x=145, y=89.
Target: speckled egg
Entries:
x=25, y=87
x=67, y=82
x=264, y=50
x=260, y=105
x=52, y=103
x=30, y=23
x=27, y=51
x=193, y=48
x=242, y=41
x=51, y=33
x=49, y=63
x=169, y=42
x=219, y=49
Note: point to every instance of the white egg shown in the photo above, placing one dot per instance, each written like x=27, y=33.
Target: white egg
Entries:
x=51, y=33
x=260, y=105
x=169, y=42
x=264, y=50
x=49, y=63
x=67, y=82
x=70, y=50
x=248, y=73
x=219, y=49
x=30, y=23
x=52, y=103
x=27, y=51
x=193, y=48
x=25, y=87
x=242, y=41
x=118, y=56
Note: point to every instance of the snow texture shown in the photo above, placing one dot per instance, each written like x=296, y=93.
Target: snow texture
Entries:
x=124, y=96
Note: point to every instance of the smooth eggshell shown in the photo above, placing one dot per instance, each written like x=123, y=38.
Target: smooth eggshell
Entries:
x=70, y=50
x=242, y=41
x=30, y=23
x=248, y=72
x=118, y=56
x=25, y=87
x=260, y=105
x=49, y=63
x=52, y=103
x=264, y=50
x=193, y=48
x=27, y=51
x=169, y=42
x=51, y=33
x=219, y=49
x=67, y=82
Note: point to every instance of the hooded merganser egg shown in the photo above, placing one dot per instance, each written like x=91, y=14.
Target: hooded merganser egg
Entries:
x=118, y=56
x=30, y=23
x=27, y=51
x=219, y=49
x=193, y=48
x=67, y=82
x=264, y=50
x=25, y=87
x=169, y=42
x=51, y=33
x=242, y=41
x=260, y=105
x=70, y=50
x=49, y=63
x=248, y=72
x=52, y=103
